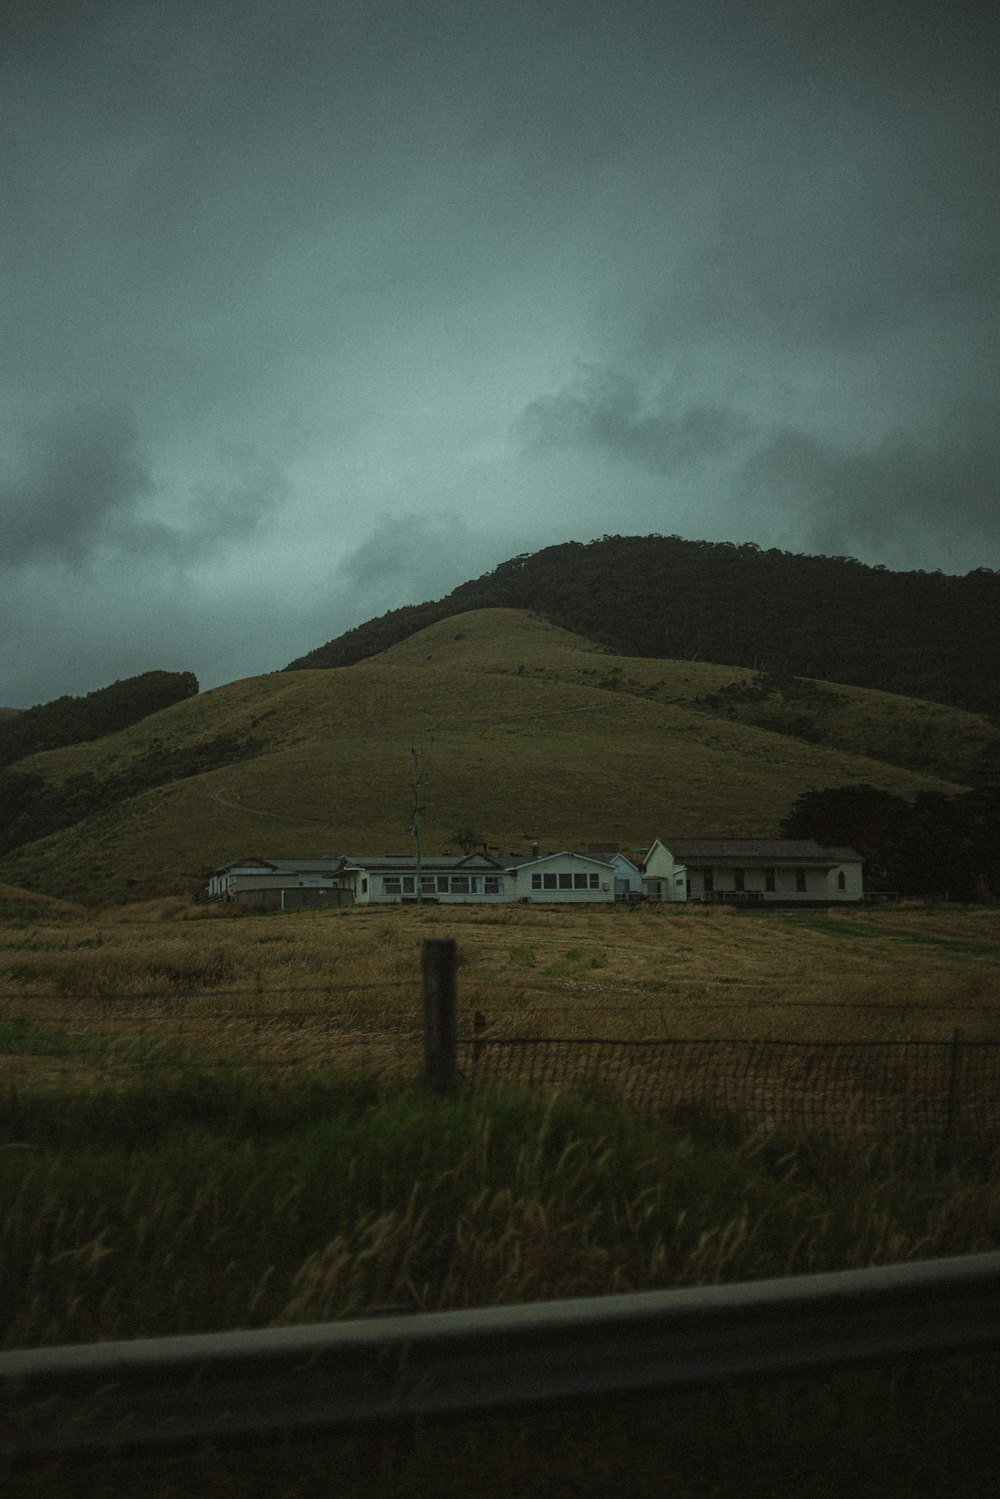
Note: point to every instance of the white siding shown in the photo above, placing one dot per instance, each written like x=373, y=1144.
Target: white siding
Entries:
x=565, y=878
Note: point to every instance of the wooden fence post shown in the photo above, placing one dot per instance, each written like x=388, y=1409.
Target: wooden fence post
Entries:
x=951, y=1114
x=440, y=965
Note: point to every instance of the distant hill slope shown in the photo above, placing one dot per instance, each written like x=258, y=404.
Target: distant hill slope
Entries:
x=526, y=730
x=918, y=634
x=911, y=733
x=68, y=720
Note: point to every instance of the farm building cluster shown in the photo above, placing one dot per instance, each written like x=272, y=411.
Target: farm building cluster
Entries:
x=738, y=871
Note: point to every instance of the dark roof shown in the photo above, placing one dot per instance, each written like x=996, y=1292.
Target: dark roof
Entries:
x=328, y=865
x=407, y=863
x=756, y=851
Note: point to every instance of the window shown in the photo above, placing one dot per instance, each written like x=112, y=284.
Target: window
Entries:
x=549, y=882
x=800, y=881
x=841, y=880
x=579, y=882
x=364, y=887
x=769, y=880
x=595, y=881
x=739, y=879
x=427, y=884
x=565, y=882
x=460, y=884
x=494, y=884
x=709, y=884
x=391, y=884
x=442, y=884
x=536, y=882
x=409, y=884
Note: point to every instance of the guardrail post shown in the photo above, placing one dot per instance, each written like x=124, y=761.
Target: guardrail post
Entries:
x=440, y=967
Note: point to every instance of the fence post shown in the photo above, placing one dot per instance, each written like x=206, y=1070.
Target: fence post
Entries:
x=951, y=1111
x=440, y=966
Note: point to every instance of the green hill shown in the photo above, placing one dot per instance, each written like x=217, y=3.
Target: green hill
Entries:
x=918, y=634
x=526, y=730
x=68, y=720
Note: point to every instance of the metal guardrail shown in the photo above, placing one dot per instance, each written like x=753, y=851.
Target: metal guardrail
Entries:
x=164, y=1394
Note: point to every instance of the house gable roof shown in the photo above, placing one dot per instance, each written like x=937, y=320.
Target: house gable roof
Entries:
x=566, y=853
x=749, y=851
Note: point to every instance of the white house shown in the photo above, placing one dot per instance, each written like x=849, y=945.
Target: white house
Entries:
x=449, y=879
x=562, y=878
x=751, y=871
x=446, y=879
x=628, y=877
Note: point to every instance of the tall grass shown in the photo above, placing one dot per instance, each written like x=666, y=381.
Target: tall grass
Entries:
x=239, y=1201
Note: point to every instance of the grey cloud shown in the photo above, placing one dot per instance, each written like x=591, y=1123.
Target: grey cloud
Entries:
x=604, y=410
x=81, y=473
x=894, y=498
x=85, y=486
x=408, y=558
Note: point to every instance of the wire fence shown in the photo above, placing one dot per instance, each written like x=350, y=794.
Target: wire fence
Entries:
x=940, y=1088
x=947, y=1088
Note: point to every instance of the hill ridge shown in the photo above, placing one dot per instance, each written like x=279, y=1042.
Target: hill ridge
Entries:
x=918, y=634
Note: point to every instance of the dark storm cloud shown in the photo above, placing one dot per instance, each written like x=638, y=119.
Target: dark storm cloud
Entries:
x=297, y=268
x=80, y=477
x=83, y=488
x=942, y=484
x=604, y=410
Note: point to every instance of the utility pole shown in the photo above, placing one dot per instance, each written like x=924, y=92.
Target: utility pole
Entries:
x=419, y=780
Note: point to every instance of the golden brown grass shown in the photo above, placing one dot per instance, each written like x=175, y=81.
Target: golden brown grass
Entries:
x=289, y=987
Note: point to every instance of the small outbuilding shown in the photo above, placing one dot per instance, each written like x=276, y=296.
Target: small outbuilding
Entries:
x=751, y=871
x=281, y=884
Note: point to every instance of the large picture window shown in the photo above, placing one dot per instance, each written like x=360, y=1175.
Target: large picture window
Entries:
x=564, y=881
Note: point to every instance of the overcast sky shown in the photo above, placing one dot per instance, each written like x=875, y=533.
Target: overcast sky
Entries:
x=312, y=309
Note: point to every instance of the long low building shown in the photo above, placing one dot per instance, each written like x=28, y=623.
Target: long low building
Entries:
x=751, y=871
x=446, y=879
x=740, y=871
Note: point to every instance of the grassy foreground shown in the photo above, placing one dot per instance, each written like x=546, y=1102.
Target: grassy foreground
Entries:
x=139, y=1199
x=244, y=1202
x=250, y=1203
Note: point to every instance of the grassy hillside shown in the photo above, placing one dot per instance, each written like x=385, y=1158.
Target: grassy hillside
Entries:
x=925, y=635
x=908, y=732
x=526, y=730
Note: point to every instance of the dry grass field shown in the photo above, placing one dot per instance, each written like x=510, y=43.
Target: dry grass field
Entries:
x=138, y=979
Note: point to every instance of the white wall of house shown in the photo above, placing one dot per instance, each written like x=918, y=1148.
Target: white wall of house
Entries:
x=666, y=879
x=782, y=882
x=845, y=882
x=662, y=877
x=224, y=881
x=565, y=878
x=628, y=876
x=452, y=887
